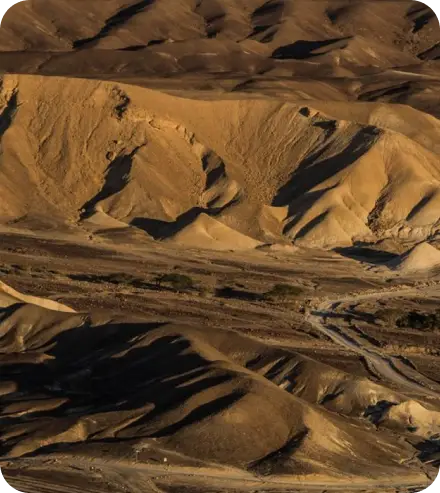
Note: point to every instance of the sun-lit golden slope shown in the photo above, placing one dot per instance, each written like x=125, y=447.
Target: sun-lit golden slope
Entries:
x=381, y=50
x=9, y=297
x=265, y=168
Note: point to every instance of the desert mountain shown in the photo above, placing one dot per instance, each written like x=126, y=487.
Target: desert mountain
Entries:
x=172, y=170
x=268, y=170
x=177, y=391
x=382, y=50
x=274, y=123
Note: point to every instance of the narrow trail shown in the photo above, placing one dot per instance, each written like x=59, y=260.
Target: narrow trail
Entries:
x=224, y=479
x=389, y=367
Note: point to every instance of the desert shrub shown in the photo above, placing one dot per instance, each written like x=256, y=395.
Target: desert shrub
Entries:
x=280, y=291
x=412, y=319
x=177, y=282
x=421, y=321
x=22, y=269
x=5, y=269
x=121, y=278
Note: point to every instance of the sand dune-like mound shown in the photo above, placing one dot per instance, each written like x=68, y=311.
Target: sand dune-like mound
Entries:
x=9, y=296
x=207, y=232
x=191, y=395
x=124, y=155
x=101, y=221
x=422, y=257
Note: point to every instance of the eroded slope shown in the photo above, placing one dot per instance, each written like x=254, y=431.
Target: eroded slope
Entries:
x=77, y=151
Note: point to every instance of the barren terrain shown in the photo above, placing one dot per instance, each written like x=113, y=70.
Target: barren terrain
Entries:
x=219, y=246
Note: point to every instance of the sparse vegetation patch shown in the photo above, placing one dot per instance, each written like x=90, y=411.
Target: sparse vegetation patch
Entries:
x=283, y=291
x=411, y=319
x=175, y=281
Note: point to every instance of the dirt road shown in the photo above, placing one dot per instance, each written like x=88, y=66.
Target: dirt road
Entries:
x=132, y=475
x=391, y=368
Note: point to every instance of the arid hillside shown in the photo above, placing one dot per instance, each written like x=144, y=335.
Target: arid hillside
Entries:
x=270, y=122
x=219, y=246
x=218, y=174
x=344, y=50
x=195, y=397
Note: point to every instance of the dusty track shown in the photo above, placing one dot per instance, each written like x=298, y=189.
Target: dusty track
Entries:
x=224, y=480
x=389, y=367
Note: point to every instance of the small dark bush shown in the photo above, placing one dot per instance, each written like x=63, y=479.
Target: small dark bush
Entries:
x=421, y=321
x=120, y=278
x=178, y=282
x=283, y=291
x=5, y=269
x=412, y=319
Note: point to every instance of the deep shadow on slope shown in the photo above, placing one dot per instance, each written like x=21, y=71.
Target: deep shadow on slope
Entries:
x=276, y=461
x=116, y=178
x=8, y=114
x=117, y=20
x=160, y=229
x=301, y=50
x=366, y=254
x=114, y=369
x=313, y=171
